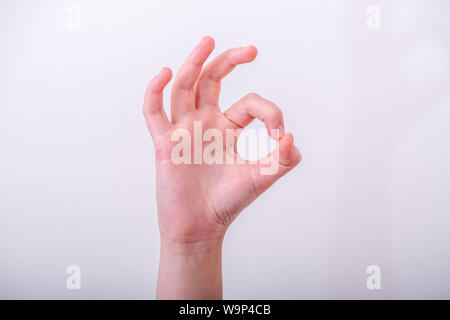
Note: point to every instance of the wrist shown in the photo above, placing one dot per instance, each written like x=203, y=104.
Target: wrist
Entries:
x=190, y=270
x=184, y=247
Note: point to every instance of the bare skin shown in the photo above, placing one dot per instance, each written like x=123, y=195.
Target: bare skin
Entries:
x=197, y=202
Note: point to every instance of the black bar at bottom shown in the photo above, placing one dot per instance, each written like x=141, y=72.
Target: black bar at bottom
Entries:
x=228, y=309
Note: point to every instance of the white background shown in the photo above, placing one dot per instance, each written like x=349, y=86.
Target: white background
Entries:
x=369, y=109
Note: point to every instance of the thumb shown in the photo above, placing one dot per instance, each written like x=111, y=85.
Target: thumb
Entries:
x=276, y=164
x=288, y=154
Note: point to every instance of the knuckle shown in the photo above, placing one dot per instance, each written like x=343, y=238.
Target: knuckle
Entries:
x=276, y=112
x=252, y=96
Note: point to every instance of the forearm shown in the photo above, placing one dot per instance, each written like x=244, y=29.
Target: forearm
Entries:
x=190, y=270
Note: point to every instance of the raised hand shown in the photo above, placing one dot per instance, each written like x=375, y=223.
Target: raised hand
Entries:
x=202, y=182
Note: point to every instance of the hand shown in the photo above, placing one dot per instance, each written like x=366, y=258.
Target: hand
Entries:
x=197, y=202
